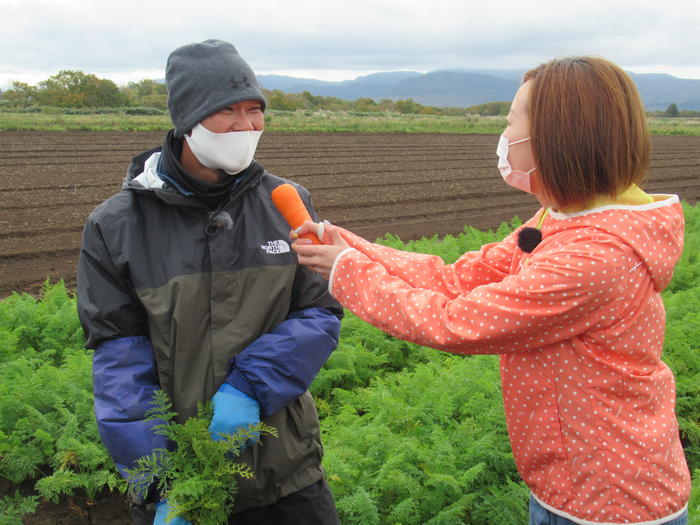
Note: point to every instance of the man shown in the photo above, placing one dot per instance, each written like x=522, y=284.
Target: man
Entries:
x=186, y=283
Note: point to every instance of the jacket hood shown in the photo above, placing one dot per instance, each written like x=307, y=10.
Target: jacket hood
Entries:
x=654, y=231
x=140, y=164
x=148, y=178
x=142, y=176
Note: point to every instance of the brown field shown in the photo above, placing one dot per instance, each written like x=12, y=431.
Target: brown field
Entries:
x=412, y=185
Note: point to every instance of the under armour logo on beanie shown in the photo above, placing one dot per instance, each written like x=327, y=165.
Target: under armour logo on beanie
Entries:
x=204, y=77
x=239, y=83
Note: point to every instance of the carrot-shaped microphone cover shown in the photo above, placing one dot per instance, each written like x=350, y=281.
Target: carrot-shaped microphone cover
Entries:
x=289, y=203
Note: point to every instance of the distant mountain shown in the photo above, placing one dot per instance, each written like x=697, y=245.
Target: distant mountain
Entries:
x=469, y=87
x=390, y=77
x=376, y=85
x=510, y=74
x=289, y=84
x=659, y=90
x=455, y=89
x=436, y=88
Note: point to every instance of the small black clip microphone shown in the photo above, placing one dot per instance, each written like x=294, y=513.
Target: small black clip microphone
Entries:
x=529, y=238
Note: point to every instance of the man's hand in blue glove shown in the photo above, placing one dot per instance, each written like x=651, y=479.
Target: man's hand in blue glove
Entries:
x=233, y=410
x=162, y=510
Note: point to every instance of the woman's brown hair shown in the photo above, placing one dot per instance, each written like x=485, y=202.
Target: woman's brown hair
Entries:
x=588, y=129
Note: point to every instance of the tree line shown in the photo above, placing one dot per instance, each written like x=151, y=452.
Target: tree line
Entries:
x=672, y=111
x=76, y=89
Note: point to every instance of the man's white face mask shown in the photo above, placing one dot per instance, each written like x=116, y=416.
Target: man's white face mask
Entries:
x=515, y=178
x=232, y=151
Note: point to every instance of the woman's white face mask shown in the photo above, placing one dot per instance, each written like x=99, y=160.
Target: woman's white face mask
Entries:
x=514, y=178
x=232, y=151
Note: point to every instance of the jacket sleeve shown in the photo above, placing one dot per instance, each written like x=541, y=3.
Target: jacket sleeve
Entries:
x=124, y=369
x=124, y=380
x=107, y=304
x=280, y=365
x=489, y=264
x=555, y=296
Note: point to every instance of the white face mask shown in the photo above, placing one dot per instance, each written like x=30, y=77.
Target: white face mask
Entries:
x=515, y=178
x=232, y=151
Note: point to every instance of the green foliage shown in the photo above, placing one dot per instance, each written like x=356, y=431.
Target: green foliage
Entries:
x=20, y=94
x=78, y=89
x=389, y=121
x=53, y=110
x=147, y=93
x=323, y=120
x=411, y=435
x=46, y=416
x=425, y=444
x=395, y=442
x=451, y=248
x=278, y=100
x=358, y=508
x=12, y=508
x=198, y=476
x=672, y=111
x=694, y=503
x=682, y=341
x=57, y=119
x=288, y=111
x=364, y=352
x=41, y=330
x=144, y=110
x=686, y=274
x=688, y=125
x=490, y=109
x=408, y=106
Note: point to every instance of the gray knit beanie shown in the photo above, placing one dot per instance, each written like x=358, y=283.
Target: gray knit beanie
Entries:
x=204, y=77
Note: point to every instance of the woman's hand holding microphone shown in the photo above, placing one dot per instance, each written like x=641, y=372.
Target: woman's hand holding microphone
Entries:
x=318, y=257
x=317, y=245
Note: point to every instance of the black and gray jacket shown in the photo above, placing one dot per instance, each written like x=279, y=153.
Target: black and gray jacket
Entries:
x=176, y=296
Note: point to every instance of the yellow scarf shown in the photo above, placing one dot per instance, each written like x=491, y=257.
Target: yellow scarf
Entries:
x=632, y=196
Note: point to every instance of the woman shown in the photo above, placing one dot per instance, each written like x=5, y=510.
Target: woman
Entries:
x=571, y=301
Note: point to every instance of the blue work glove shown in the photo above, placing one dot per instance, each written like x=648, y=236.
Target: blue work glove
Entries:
x=162, y=510
x=233, y=410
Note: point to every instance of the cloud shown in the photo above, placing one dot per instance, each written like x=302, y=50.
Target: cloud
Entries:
x=360, y=35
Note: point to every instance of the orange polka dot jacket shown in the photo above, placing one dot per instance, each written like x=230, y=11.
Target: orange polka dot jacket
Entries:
x=579, y=324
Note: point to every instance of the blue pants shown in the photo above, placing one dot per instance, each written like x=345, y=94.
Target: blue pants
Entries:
x=541, y=516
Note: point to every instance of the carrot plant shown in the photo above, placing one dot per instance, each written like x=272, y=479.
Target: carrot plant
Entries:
x=48, y=432
x=411, y=435
x=416, y=436
x=198, y=475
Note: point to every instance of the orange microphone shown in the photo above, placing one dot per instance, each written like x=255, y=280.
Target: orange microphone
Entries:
x=289, y=203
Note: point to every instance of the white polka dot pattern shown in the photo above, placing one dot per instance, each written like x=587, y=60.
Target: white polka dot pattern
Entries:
x=579, y=324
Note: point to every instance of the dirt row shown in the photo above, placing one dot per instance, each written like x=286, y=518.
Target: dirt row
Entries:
x=411, y=185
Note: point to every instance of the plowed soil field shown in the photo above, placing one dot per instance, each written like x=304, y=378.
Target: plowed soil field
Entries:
x=411, y=185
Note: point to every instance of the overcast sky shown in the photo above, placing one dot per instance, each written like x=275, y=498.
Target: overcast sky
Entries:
x=338, y=39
